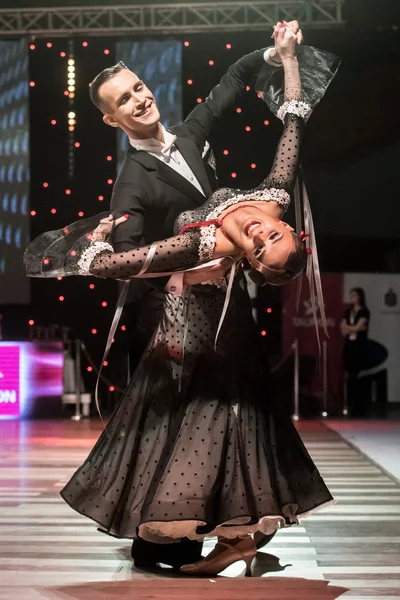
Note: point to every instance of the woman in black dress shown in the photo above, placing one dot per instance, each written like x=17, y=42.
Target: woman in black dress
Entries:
x=197, y=446
x=354, y=327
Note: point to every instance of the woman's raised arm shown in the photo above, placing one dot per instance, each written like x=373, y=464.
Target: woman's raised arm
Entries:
x=293, y=113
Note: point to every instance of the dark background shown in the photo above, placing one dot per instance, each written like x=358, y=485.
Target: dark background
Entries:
x=351, y=159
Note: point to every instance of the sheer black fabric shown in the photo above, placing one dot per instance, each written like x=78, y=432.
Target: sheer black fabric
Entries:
x=197, y=440
x=57, y=253
x=317, y=70
x=174, y=254
x=286, y=163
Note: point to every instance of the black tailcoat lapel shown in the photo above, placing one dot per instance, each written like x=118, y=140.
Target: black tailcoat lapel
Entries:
x=165, y=173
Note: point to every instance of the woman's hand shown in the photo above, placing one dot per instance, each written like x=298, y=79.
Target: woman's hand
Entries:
x=295, y=27
x=106, y=226
x=285, y=41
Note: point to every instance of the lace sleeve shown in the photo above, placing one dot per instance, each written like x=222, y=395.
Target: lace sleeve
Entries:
x=285, y=166
x=293, y=113
x=177, y=253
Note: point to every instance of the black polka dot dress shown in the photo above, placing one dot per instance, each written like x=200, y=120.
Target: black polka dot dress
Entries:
x=198, y=443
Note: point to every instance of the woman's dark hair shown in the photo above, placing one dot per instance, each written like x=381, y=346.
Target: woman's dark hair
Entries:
x=295, y=265
x=100, y=79
x=361, y=295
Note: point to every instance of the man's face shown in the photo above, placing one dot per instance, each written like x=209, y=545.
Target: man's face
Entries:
x=130, y=105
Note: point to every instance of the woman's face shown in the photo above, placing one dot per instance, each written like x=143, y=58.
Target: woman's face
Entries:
x=261, y=236
x=354, y=299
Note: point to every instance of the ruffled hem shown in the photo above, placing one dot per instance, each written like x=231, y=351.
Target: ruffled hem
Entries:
x=166, y=532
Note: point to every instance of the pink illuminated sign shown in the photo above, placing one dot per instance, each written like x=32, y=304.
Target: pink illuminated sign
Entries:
x=31, y=378
x=9, y=381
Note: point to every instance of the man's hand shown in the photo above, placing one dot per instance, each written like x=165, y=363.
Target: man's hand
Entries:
x=210, y=274
x=295, y=28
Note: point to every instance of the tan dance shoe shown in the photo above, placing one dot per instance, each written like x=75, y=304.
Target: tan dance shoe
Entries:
x=221, y=558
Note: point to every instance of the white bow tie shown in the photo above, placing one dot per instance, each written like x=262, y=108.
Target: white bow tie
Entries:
x=166, y=149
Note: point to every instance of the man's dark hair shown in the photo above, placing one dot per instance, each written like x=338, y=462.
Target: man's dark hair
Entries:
x=100, y=79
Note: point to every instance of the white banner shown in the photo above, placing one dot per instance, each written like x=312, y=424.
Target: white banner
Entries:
x=382, y=293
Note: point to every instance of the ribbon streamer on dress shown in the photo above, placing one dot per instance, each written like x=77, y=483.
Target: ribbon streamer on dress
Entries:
x=313, y=272
x=111, y=334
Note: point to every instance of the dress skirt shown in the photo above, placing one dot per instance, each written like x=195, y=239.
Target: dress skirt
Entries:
x=197, y=446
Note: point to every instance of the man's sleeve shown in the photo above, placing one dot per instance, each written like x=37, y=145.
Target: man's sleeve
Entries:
x=199, y=123
x=127, y=200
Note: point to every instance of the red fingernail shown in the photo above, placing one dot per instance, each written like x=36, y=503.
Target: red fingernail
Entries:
x=126, y=216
